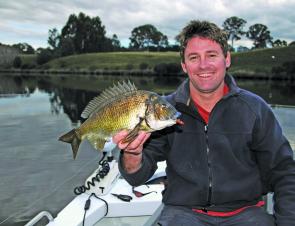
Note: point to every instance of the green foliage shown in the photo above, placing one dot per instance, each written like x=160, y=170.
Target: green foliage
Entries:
x=234, y=27
x=146, y=36
x=87, y=34
x=167, y=68
x=28, y=66
x=53, y=38
x=260, y=35
x=44, y=56
x=28, y=58
x=115, y=60
x=285, y=71
x=279, y=43
x=287, y=68
x=250, y=62
x=17, y=62
x=129, y=66
x=174, y=68
x=143, y=66
x=66, y=47
x=161, y=68
x=24, y=48
x=116, y=43
x=261, y=60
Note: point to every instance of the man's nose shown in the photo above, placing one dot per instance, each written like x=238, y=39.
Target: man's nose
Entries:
x=203, y=63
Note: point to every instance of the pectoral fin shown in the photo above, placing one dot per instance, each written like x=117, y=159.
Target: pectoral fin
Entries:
x=133, y=133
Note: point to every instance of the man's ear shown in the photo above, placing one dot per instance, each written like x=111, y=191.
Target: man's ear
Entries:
x=183, y=67
x=228, y=60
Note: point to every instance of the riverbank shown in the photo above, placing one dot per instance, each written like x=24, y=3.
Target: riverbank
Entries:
x=242, y=74
x=64, y=72
x=273, y=63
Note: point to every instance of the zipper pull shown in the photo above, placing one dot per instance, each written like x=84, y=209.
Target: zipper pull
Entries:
x=206, y=128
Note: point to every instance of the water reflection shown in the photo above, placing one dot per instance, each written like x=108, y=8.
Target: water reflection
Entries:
x=273, y=92
x=71, y=95
x=33, y=163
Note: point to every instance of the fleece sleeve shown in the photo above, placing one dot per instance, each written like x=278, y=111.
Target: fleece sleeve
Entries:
x=154, y=150
x=275, y=158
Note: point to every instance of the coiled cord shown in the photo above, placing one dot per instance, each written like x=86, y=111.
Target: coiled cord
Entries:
x=104, y=170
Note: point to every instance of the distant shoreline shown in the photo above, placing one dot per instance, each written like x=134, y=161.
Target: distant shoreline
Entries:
x=79, y=72
x=267, y=64
x=133, y=72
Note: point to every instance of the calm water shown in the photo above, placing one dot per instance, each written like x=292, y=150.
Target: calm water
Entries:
x=37, y=171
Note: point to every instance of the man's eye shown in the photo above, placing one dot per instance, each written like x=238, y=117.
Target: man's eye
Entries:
x=212, y=55
x=193, y=58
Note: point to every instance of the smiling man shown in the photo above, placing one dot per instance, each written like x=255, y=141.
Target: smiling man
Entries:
x=205, y=63
x=229, y=152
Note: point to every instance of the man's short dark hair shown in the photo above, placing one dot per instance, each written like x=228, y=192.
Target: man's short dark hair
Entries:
x=205, y=29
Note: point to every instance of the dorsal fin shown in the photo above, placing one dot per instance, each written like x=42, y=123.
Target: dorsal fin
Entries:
x=107, y=96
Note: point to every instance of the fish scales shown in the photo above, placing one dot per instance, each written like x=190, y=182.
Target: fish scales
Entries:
x=121, y=107
x=118, y=115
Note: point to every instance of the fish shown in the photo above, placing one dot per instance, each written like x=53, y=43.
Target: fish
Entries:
x=121, y=107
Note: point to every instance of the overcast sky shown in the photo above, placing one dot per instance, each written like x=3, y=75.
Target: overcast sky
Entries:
x=29, y=20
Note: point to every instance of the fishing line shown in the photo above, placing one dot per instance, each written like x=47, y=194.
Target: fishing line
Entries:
x=54, y=190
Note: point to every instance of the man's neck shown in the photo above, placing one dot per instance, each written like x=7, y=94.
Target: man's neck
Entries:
x=207, y=100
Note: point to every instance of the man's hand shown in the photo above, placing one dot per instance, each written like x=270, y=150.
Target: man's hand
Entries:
x=135, y=146
x=132, y=151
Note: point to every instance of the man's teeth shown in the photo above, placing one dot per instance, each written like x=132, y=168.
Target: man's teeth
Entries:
x=204, y=75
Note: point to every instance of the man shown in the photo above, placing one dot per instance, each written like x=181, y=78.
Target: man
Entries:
x=227, y=155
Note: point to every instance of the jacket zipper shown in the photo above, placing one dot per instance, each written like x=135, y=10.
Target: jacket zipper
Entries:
x=209, y=167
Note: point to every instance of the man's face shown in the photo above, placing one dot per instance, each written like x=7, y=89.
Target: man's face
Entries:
x=205, y=64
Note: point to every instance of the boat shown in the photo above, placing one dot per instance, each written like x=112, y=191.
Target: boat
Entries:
x=107, y=199
x=111, y=201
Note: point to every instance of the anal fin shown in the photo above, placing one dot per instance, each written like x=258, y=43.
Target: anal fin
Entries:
x=97, y=143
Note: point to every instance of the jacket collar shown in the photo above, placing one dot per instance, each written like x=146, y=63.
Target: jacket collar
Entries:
x=182, y=94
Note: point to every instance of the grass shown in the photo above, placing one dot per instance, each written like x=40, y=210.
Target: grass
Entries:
x=261, y=61
x=113, y=60
x=257, y=61
x=28, y=58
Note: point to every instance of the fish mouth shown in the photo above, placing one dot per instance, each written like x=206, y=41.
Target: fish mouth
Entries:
x=176, y=118
x=176, y=115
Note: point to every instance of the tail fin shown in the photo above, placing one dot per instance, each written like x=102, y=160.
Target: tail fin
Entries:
x=72, y=138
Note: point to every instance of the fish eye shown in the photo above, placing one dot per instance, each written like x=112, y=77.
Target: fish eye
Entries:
x=153, y=97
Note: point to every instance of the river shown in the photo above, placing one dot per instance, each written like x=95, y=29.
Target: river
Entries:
x=37, y=171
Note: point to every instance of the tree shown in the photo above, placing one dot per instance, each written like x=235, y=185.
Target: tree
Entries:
x=146, y=36
x=260, y=35
x=44, y=56
x=53, y=38
x=24, y=48
x=66, y=47
x=115, y=42
x=87, y=34
x=279, y=43
x=17, y=62
x=7, y=55
x=234, y=27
